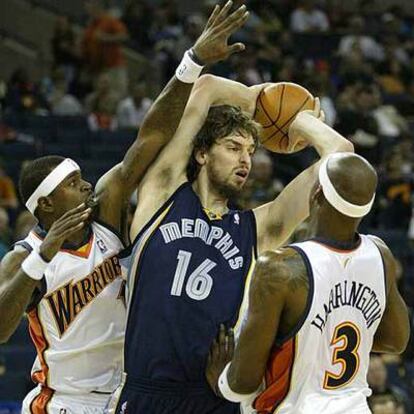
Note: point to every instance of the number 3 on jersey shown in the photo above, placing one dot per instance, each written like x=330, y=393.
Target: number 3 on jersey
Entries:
x=199, y=283
x=345, y=354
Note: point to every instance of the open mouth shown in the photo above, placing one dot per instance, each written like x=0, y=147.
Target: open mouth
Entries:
x=242, y=173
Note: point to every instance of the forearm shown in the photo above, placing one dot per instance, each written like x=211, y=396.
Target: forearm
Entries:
x=166, y=112
x=278, y=219
x=15, y=295
x=321, y=136
x=158, y=128
x=244, y=376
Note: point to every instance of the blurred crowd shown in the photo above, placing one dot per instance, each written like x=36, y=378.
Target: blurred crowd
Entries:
x=356, y=56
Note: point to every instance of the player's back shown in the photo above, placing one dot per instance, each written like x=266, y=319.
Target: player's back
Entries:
x=187, y=275
x=322, y=367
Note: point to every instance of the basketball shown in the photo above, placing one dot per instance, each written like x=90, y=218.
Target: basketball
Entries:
x=276, y=108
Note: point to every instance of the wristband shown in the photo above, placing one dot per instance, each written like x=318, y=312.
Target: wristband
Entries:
x=34, y=266
x=227, y=392
x=194, y=57
x=188, y=71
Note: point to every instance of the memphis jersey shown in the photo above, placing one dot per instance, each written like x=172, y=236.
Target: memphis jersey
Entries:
x=187, y=275
x=77, y=323
x=323, y=367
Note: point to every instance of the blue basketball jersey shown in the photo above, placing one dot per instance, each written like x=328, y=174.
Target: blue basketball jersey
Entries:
x=186, y=275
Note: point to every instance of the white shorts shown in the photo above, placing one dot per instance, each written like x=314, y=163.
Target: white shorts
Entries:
x=46, y=401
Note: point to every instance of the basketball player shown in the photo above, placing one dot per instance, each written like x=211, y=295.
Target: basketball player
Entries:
x=65, y=274
x=318, y=308
x=192, y=254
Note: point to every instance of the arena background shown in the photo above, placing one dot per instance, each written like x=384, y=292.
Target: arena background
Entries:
x=64, y=92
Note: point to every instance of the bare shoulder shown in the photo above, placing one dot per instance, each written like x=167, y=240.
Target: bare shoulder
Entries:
x=281, y=269
x=386, y=253
x=389, y=261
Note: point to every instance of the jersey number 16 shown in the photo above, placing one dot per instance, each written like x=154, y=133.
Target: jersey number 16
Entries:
x=199, y=283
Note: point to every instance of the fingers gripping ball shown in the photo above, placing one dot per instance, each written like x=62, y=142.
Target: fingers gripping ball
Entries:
x=276, y=108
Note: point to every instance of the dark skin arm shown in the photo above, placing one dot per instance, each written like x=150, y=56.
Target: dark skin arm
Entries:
x=393, y=332
x=16, y=287
x=279, y=280
x=162, y=120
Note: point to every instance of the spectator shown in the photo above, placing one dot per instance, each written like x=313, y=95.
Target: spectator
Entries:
x=308, y=19
x=61, y=102
x=378, y=381
x=23, y=94
x=261, y=186
x=319, y=86
x=137, y=14
x=64, y=49
x=101, y=105
x=193, y=26
x=386, y=405
x=5, y=233
x=131, y=110
x=8, y=198
x=394, y=193
x=356, y=121
x=358, y=38
x=102, y=46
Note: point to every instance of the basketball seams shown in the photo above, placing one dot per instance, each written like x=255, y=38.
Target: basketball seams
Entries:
x=280, y=104
x=278, y=134
x=262, y=106
x=300, y=108
x=285, y=134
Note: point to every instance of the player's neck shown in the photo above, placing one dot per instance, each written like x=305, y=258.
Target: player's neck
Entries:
x=210, y=198
x=332, y=230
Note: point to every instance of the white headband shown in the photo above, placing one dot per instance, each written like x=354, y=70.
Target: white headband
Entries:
x=55, y=177
x=336, y=201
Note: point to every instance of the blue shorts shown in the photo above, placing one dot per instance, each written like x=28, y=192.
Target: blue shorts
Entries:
x=164, y=397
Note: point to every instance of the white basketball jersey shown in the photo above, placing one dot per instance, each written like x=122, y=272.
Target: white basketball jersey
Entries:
x=323, y=368
x=78, y=325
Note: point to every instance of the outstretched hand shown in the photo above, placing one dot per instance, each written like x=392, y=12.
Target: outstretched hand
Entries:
x=221, y=353
x=212, y=45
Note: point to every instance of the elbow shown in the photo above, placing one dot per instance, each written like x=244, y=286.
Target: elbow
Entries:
x=401, y=346
x=345, y=146
x=396, y=348
x=204, y=83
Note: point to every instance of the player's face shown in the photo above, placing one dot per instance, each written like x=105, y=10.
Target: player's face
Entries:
x=72, y=192
x=229, y=161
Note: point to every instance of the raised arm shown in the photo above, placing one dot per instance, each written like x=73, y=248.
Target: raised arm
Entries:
x=393, y=331
x=162, y=120
x=277, y=219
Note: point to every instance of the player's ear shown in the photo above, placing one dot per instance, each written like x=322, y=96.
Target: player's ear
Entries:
x=45, y=204
x=201, y=156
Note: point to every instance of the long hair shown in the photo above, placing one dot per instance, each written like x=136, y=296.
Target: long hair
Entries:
x=221, y=121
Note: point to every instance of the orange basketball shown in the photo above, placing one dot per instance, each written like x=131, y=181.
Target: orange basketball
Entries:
x=276, y=108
